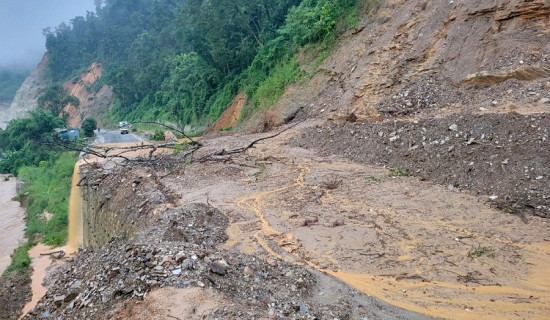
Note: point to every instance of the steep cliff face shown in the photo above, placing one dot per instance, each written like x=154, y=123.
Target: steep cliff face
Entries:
x=93, y=104
x=26, y=98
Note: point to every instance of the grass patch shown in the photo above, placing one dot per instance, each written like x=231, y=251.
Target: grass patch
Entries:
x=271, y=89
x=398, y=172
x=48, y=189
x=20, y=259
x=481, y=251
x=372, y=179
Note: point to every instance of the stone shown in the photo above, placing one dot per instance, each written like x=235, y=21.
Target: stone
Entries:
x=176, y=271
x=170, y=137
x=71, y=296
x=453, y=127
x=180, y=257
x=223, y=262
x=58, y=300
x=218, y=268
x=188, y=264
x=248, y=271
x=544, y=100
x=45, y=315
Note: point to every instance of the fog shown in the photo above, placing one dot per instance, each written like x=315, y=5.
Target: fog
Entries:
x=22, y=43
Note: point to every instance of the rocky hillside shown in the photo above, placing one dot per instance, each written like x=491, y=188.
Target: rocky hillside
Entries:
x=26, y=98
x=450, y=80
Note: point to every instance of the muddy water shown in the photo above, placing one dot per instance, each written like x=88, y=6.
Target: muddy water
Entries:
x=12, y=224
x=40, y=262
x=75, y=213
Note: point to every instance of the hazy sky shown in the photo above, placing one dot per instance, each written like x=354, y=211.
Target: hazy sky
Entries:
x=21, y=24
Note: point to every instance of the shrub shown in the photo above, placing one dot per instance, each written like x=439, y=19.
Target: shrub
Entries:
x=88, y=127
x=158, y=135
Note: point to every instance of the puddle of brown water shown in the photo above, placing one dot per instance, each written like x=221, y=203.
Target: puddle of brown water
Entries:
x=39, y=265
x=12, y=225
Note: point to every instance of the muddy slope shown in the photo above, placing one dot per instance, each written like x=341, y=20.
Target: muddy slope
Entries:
x=15, y=291
x=416, y=55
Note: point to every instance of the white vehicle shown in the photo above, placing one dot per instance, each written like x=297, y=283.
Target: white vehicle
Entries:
x=124, y=127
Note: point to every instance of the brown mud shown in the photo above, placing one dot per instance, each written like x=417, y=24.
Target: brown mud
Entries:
x=418, y=245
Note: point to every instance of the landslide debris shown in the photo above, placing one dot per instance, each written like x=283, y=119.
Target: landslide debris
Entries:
x=504, y=157
x=179, y=248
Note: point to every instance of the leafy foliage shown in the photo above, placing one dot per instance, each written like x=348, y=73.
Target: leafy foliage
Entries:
x=88, y=127
x=20, y=259
x=158, y=135
x=27, y=141
x=184, y=60
x=55, y=98
x=49, y=190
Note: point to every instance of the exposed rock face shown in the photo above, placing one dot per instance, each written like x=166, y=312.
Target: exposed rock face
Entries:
x=26, y=98
x=93, y=104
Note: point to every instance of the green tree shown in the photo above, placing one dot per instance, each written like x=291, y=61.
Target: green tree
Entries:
x=55, y=98
x=88, y=127
x=27, y=141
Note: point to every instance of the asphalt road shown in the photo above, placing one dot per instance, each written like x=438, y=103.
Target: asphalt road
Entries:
x=114, y=136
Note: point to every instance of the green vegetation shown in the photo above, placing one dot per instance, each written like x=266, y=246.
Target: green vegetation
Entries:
x=158, y=135
x=184, y=60
x=480, y=251
x=48, y=190
x=88, y=127
x=20, y=259
x=372, y=179
x=398, y=172
x=27, y=141
x=55, y=98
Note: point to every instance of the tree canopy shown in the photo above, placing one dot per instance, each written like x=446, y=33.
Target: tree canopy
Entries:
x=27, y=141
x=184, y=60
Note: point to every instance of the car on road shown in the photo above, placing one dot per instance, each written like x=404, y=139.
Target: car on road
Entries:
x=124, y=129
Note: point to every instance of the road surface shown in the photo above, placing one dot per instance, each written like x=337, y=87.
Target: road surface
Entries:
x=114, y=136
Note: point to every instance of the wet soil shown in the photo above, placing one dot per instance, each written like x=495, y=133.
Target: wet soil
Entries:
x=178, y=252
x=404, y=239
x=15, y=291
x=504, y=157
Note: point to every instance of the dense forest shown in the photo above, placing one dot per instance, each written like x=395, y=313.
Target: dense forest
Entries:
x=184, y=60
x=178, y=60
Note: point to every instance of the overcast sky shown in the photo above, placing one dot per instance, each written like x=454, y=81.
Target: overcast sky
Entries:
x=21, y=24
